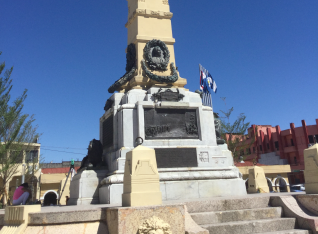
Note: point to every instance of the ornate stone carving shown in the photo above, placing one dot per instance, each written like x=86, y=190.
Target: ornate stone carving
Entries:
x=154, y=225
x=168, y=96
x=130, y=68
x=165, y=2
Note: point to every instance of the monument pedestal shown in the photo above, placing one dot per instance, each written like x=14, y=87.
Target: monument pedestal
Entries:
x=84, y=189
x=182, y=133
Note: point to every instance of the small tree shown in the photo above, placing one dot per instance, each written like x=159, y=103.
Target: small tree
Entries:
x=235, y=134
x=16, y=130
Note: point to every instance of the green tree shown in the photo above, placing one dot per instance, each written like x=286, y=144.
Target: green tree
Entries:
x=16, y=130
x=235, y=133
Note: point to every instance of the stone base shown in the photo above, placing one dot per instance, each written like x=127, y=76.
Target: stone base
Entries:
x=84, y=187
x=142, y=199
x=181, y=190
x=160, y=219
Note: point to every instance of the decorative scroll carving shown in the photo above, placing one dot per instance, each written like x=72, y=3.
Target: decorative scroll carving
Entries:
x=167, y=96
x=130, y=68
x=154, y=225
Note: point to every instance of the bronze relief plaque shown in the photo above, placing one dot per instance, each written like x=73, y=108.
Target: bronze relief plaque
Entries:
x=171, y=124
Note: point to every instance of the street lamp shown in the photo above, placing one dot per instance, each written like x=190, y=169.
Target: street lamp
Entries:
x=23, y=172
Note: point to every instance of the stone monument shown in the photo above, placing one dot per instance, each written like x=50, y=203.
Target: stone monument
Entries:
x=257, y=181
x=311, y=169
x=141, y=178
x=153, y=108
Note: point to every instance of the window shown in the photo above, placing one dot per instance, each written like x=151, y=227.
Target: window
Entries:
x=295, y=160
x=260, y=148
x=292, y=142
x=316, y=136
x=31, y=156
x=267, y=146
x=241, y=152
x=277, y=145
x=311, y=139
x=254, y=150
x=248, y=151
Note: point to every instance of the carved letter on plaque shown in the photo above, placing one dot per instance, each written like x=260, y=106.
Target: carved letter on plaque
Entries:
x=204, y=156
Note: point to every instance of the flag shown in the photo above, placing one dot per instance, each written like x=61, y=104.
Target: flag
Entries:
x=207, y=83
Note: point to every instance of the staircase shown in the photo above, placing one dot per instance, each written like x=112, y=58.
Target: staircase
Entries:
x=241, y=216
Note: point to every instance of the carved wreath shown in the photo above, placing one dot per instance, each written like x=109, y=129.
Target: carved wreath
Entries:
x=130, y=68
x=157, y=55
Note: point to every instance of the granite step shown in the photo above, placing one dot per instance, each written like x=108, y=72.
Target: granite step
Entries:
x=294, y=231
x=226, y=204
x=236, y=215
x=254, y=226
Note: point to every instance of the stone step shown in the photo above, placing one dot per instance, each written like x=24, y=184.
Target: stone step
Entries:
x=255, y=226
x=236, y=215
x=223, y=204
x=294, y=231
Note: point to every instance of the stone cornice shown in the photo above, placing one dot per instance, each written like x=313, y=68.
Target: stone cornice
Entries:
x=149, y=13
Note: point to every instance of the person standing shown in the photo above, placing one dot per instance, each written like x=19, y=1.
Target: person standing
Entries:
x=21, y=194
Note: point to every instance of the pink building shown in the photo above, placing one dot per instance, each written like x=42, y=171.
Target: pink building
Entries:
x=275, y=146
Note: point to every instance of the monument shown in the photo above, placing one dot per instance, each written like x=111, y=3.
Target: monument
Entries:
x=311, y=169
x=257, y=182
x=152, y=107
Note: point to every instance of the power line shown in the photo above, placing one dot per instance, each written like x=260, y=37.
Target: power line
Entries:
x=62, y=151
x=63, y=147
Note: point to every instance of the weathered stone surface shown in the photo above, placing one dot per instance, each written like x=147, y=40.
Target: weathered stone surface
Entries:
x=310, y=202
x=67, y=217
x=74, y=228
x=254, y=226
x=294, y=231
x=292, y=209
x=191, y=227
x=128, y=220
x=227, y=204
x=236, y=215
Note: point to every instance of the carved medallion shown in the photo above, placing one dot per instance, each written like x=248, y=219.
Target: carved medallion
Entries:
x=154, y=225
x=157, y=55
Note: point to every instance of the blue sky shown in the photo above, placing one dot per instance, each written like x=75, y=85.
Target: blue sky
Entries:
x=262, y=54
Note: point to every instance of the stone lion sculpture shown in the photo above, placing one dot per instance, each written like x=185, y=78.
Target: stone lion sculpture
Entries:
x=154, y=225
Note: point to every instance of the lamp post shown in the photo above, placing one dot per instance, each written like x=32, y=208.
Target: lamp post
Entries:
x=23, y=172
